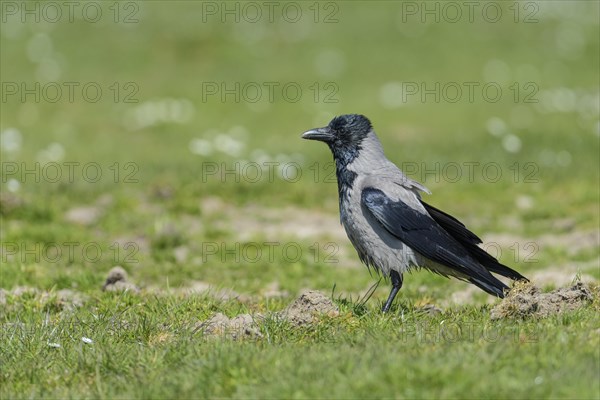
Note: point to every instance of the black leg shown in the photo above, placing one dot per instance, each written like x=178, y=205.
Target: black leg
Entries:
x=396, y=285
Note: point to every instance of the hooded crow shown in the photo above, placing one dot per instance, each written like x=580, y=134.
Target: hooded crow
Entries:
x=390, y=226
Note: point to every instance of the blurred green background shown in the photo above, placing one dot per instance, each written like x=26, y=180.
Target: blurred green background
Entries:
x=151, y=163
x=159, y=130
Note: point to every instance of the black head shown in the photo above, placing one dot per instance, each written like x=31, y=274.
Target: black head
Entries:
x=344, y=135
x=345, y=132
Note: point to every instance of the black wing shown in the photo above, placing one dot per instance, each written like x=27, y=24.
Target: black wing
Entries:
x=470, y=241
x=423, y=234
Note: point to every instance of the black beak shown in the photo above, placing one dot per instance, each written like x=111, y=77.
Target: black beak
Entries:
x=321, y=134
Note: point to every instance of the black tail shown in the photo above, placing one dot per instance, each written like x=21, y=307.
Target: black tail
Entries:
x=497, y=289
x=470, y=241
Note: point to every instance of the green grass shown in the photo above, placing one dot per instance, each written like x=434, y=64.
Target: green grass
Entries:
x=161, y=209
x=146, y=346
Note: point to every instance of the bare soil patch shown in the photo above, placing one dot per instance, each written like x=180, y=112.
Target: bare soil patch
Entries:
x=219, y=325
x=307, y=308
x=526, y=300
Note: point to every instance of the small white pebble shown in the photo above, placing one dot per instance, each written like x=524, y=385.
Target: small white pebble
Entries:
x=55, y=345
x=87, y=340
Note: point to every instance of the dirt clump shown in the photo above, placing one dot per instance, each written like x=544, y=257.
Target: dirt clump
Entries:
x=85, y=216
x=117, y=281
x=65, y=299
x=52, y=301
x=305, y=310
x=526, y=300
x=240, y=327
x=310, y=305
x=9, y=203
